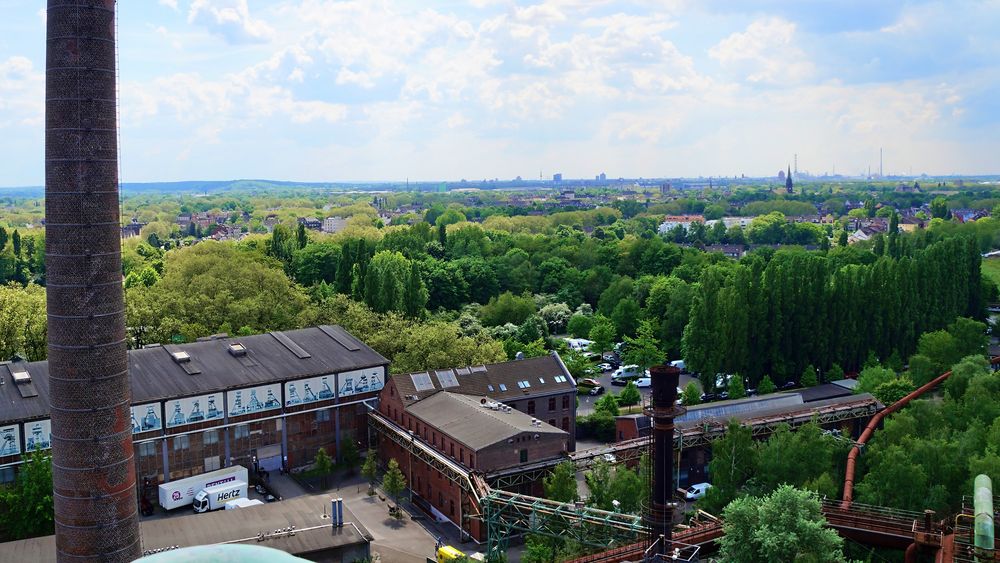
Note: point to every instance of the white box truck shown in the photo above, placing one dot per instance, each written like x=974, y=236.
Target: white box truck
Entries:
x=242, y=503
x=182, y=491
x=214, y=498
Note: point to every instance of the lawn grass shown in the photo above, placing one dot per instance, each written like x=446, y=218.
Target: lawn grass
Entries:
x=991, y=269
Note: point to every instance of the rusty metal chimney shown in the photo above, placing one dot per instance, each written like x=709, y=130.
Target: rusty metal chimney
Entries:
x=93, y=472
x=663, y=409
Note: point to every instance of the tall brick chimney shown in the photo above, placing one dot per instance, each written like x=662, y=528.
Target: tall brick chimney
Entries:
x=93, y=472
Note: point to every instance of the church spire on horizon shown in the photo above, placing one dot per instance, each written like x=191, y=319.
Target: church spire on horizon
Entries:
x=788, y=181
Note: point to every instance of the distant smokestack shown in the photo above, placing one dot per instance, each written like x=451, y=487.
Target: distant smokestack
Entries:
x=663, y=410
x=93, y=472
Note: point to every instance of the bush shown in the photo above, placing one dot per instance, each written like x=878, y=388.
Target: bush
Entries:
x=598, y=426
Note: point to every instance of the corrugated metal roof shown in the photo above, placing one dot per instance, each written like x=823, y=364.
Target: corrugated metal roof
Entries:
x=485, y=381
x=465, y=419
x=156, y=376
x=738, y=408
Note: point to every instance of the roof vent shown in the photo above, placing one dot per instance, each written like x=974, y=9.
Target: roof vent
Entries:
x=519, y=356
x=21, y=376
x=236, y=350
x=180, y=356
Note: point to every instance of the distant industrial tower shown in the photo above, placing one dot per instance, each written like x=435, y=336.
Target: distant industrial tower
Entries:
x=93, y=471
x=788, y=181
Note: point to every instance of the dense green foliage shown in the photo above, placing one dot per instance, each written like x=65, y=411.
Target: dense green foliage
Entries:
x=786, y=526
x=26, y=506
x=779, y=316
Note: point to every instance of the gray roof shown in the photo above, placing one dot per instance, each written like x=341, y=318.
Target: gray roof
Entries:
x=485, y=381
x=824, y=391
x=155, y=376
x=468, y=421
x=226, y=526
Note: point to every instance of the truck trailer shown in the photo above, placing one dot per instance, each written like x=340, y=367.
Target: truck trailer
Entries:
x=214, y=498
x=182, y=491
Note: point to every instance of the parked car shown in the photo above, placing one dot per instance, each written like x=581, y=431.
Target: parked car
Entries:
x=644, y=382
x=597, y=390
x=605, y=367
x=709, y=397
x=619, y=381
x=697, y=491
x=610, y=458
x=587, y=382
x=630, y=371
x=788, y=385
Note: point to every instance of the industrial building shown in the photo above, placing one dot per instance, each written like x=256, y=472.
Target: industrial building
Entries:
x=484, y=420
x=260, y=401
x=833, y=405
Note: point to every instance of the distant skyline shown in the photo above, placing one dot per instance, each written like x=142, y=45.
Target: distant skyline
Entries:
x=316, y=90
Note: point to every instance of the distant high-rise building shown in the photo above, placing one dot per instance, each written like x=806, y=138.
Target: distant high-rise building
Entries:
x=602, y=177
x=781, y=175
x=557, y=177
x=788, y=181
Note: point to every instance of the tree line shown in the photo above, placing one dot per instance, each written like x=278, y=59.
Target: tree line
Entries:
x=775, y=317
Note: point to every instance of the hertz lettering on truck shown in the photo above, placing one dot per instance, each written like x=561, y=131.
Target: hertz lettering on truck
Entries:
x=229, y=495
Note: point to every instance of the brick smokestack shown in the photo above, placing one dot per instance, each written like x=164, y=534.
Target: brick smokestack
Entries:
x=663, y=409
x=93, y=472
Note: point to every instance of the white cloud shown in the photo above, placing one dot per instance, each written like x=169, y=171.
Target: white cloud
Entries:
x=172, y=4
x=231, y=19
x=765, y=52
x=22, y=92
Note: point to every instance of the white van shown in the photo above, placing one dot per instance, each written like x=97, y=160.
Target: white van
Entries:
x=631, y=370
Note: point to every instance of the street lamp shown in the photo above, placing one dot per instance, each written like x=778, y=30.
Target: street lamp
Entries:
x=409, y=463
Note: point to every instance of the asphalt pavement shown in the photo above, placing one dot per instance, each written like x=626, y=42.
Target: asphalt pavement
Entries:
x=587, y=401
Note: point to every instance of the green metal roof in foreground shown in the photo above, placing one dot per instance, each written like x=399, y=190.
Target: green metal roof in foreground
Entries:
x=222, y=554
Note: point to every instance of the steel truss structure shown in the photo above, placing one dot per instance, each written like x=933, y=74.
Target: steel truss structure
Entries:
x=509, y=513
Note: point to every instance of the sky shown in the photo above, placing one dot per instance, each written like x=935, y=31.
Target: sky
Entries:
x=323, y=90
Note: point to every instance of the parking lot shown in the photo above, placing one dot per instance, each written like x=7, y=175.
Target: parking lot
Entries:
x=604, y=378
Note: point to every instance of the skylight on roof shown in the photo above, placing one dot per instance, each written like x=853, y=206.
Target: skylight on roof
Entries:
x=503, y=387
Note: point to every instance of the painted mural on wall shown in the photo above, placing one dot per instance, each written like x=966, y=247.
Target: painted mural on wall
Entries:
x=305, y=391
x=37, y=435
x=254, y=399
x=361, y=381
x=10, y=442
x=146, y=418
x=192, y=410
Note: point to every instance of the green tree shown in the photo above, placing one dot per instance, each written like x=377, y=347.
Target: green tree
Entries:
x=691, y=394
x=871, y=378
x=322, y=464
x=786, y=526
x=842, y=239
x=602, y=334
x=630, y=395
x=349, y=454
x=387, y=281
x=579, y=325
x=415, y=293
x=835, y=373
x=560, y=485
x=301, y=237
x=394, y=482
x=766, y=386
x=733, y=463
x=626, y=317
x=27, y=505
x=643, y=350
x=736, y=389
x=809, y=378
x=607, y=404
x=507, y=308
x=370, y=469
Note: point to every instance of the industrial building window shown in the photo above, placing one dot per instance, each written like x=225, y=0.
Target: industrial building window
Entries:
x=552, y=404
x=472, y=461
x=181, y=443
x=453, y=449
x=440, y=499
x=565, y=425
x=461, y=455
x=452, y=505
x=6, y=475
x=531, y=407
x=565, y=401
x=552, y=422
x=210, y=437
x=147, y=449
x=524, y=456
x=241, y=431
x=323, y=415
